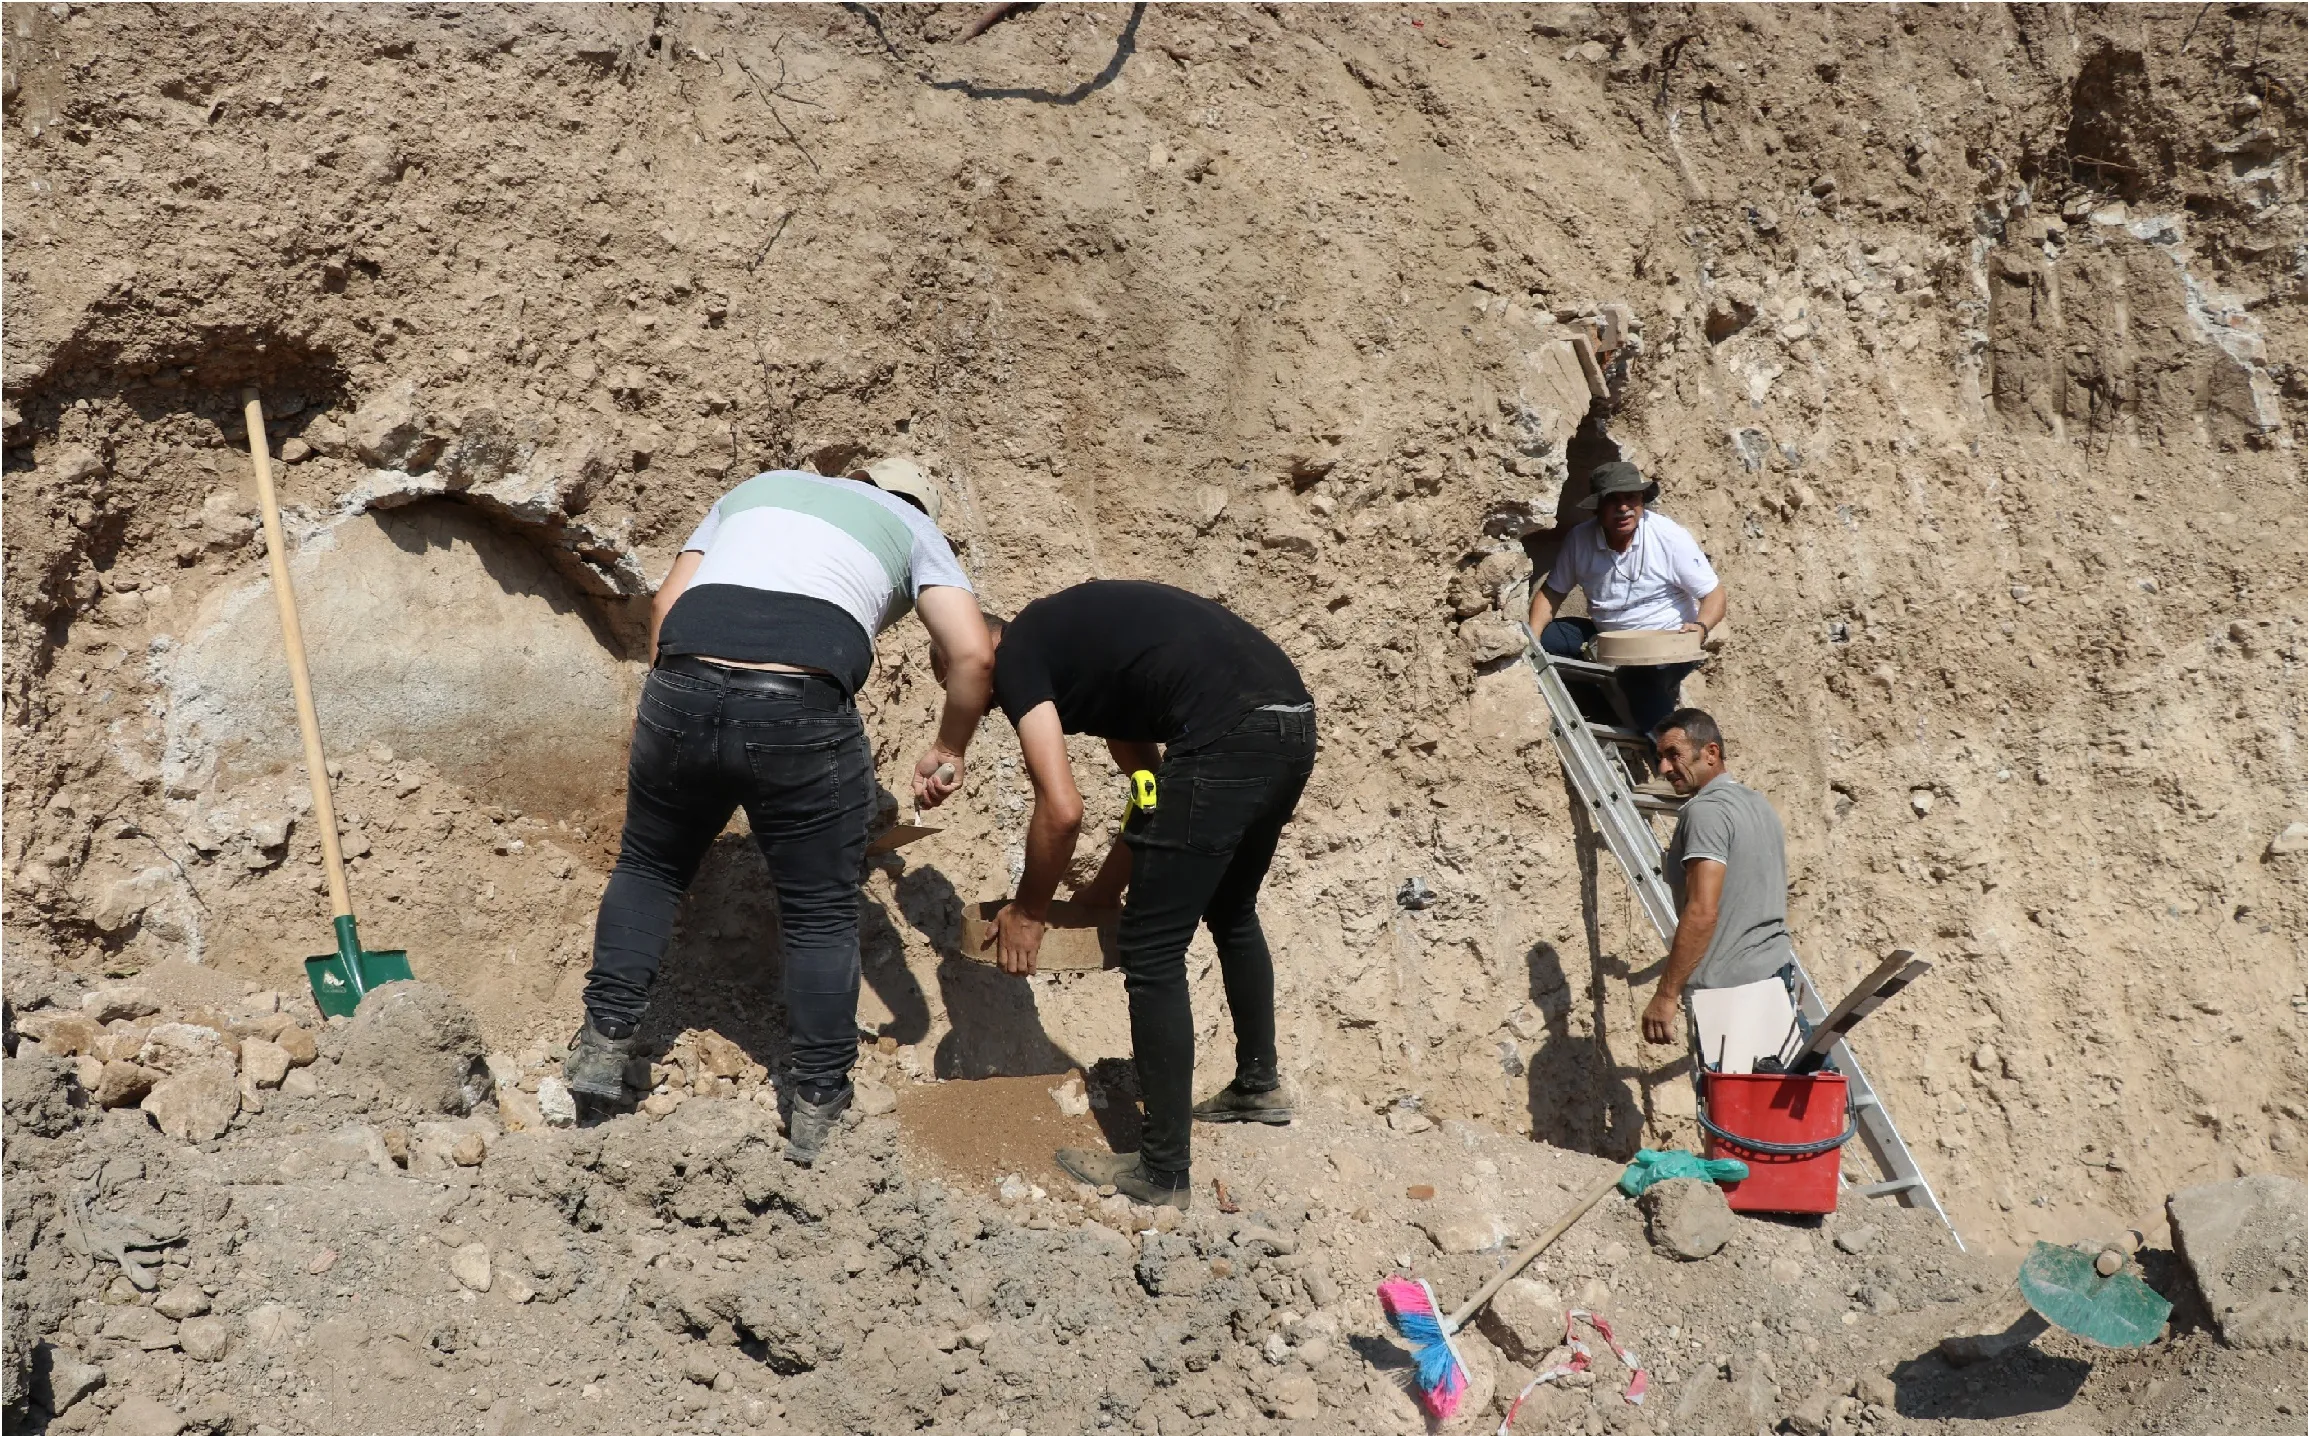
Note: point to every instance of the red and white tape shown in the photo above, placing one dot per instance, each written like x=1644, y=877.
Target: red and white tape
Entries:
x=1583, y=1359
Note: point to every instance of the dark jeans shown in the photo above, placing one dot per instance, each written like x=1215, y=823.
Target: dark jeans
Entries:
x=805, y=777
x=1200, y=857
x=1651, y=692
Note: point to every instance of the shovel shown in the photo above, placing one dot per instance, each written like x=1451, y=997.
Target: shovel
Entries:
x=342, y=978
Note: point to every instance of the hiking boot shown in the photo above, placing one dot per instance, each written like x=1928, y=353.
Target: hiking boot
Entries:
x=1233, y=1104
x=808, y=1124
x=595, y=1065
x=1126, y=1174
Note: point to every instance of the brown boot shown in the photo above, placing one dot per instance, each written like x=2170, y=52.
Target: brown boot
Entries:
x=1126, y=1174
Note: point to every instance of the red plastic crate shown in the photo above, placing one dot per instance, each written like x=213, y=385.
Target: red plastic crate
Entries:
x=1809, y=1114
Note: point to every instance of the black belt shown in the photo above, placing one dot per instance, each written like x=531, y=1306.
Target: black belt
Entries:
x=814, y=690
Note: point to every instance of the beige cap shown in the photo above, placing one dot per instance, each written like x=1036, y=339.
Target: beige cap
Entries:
x=904, y=478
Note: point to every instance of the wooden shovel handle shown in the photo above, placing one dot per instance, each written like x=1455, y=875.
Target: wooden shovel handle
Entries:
x=293, y=640
x=1530, y=1253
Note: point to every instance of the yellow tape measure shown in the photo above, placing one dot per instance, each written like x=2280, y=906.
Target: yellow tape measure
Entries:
x=1142, y=791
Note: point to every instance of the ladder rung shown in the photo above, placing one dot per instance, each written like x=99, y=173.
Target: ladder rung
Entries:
x=1625, y=737
x=1650, y=803
x=1891, y=1188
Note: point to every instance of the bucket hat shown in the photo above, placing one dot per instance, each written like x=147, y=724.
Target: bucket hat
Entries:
x=1618, y=477
x=904, y=478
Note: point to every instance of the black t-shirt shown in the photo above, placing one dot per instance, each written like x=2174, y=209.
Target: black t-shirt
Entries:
x=1140, y=662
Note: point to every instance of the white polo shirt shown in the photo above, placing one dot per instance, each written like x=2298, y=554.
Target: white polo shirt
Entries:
x=1656, y=583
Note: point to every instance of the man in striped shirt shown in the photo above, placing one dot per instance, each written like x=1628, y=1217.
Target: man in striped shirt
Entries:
x=760, y=638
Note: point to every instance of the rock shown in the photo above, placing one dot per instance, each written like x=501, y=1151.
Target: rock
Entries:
x=2294, y=839
x=59, y=1380
x=469, y=1151
x=1855, y=1240
x=1968, y=1349
x=721, y=1057
x=264, y=1063
x=274, y=1327
x=1526, y=1319
x=301, y=1046
x=1810, y=1418
x=1687, y=1218
x=469, y=1264
x=2237, y=1238
x=1408, y=1121
x=356, y=1144
x=556, y=1104
x=522, y=1112
x=122, y=1084
x=389, y=431
x=1293, y=1398
x=181, y=1301
x=65, y=1034
x=140, y=1415
x=197, y=1103
x=1921, y=799
x=302, y=1082
x=295, y=451
x=699, y=1366
x=1490, y=637
x=205, y=1338
x=415, y=1045
x=1072, y=1097
x=873, y=1099
x=114, y=906
x=176, y=1046
x=1876, y=1390
x=112, y=1004
x=1460, y=1229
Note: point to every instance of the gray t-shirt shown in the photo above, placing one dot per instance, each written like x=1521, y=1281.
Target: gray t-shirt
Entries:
x=1735, y=825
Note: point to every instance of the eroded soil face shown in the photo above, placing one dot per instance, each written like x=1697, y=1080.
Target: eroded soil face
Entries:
x=1966, y=340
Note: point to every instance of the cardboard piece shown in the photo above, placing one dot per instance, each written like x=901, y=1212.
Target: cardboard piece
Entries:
x=1080, y=939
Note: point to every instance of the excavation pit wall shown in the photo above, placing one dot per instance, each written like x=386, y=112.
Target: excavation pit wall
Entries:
x=2015, y=628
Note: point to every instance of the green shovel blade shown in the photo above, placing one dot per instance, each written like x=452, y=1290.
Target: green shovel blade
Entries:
x=2118, y=1310
x=339, y=978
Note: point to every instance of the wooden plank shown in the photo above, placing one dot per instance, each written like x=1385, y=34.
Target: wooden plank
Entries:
x=1080, y=939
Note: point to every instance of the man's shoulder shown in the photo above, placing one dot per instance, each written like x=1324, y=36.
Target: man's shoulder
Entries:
x=1667, y=530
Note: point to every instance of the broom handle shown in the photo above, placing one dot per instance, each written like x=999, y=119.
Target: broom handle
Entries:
x=1529, y=1254
x=293, y=639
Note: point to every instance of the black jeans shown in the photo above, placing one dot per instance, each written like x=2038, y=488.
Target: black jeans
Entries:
x=805, y=777
x=1652, y=691
x=1200, y=857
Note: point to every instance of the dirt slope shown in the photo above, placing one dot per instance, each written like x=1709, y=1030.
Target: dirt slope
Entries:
x=1967, y=339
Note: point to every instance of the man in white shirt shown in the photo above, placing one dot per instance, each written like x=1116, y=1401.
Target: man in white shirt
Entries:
x=759, y=640
x=1639, y=570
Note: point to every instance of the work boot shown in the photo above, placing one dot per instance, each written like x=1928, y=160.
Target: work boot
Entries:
x=808, y=1124
x=594, y=1067
x=1234, y=1103
x=1125, y=1173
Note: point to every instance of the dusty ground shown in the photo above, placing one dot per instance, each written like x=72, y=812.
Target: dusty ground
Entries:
x=1967, y=340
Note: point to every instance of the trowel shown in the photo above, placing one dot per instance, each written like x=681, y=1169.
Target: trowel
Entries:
x=342, y=978
x=897, y=835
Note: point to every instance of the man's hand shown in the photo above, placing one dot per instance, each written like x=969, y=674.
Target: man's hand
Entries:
x=1663, y=1017
x=1017, y=939
x=937, y=777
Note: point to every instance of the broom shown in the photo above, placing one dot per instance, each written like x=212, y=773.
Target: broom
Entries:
x=1411, y=1310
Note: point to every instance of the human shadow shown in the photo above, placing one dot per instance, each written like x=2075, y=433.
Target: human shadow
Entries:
x=1579, y=1095
x=725, y=968
x=2016, y=1380
x=1125, y=45
x=994, y=1025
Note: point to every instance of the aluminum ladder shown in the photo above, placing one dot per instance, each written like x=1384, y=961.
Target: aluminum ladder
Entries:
x=1594, y=757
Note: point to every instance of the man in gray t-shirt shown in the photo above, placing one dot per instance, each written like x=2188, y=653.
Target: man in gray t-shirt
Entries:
x=1727, y=864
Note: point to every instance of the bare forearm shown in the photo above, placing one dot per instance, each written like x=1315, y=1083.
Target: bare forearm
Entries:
x=1713, y=607
x=1693, y=932
x=1542, y=608
x=969, y=690
x=1050, y=840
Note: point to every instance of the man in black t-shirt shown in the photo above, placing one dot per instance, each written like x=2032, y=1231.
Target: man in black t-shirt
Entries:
x=1141, y=664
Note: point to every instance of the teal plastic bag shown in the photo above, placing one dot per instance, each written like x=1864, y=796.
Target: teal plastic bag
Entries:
x=1650, y=1168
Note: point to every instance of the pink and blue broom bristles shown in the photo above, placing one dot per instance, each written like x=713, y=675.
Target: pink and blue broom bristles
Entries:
x=1411, y=1311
